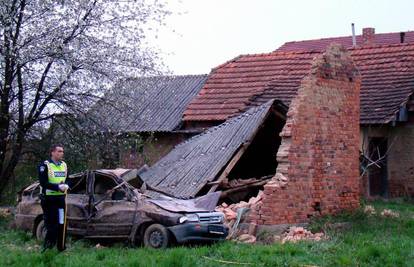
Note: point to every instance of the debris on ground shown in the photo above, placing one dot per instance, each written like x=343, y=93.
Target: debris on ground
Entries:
x=231, y=220
x=390, y=214
x=370, y=210
x=230, y=211
x=246, y=238
x=5, y=212
x=99, y=246
x=295, y=234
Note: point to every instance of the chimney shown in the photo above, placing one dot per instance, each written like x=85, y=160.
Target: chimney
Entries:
x=368, y=36
x=353, y=35
x=402, y=37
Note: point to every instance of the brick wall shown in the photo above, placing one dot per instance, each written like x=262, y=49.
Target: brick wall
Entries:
x=400, y=157
x=400, y=161
x=318, y=171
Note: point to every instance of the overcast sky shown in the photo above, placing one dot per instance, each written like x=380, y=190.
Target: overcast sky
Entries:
x=211, y=32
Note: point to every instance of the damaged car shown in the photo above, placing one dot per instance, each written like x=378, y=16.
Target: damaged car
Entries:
x=112, y=204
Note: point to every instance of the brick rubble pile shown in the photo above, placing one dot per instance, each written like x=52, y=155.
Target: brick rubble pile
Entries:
x=390, y=213
x=370, y=210
x=230, y=211
x=295, y=234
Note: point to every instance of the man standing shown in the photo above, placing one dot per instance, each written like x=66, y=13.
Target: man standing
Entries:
x=52, y=178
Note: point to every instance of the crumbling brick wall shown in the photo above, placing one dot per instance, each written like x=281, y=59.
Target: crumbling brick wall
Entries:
x=318, y=170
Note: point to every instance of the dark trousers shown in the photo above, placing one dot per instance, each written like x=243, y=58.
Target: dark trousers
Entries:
x=53, y=208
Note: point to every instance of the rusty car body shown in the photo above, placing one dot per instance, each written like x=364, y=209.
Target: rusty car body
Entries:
x=105, y=204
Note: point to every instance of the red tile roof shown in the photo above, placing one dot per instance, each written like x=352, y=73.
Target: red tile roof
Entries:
x=387, y=81
x=321, y=44
x=230, y=86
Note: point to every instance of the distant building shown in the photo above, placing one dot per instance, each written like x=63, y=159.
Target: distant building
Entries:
x=146, y=112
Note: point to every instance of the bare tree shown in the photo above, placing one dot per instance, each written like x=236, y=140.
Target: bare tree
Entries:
x=59, y=56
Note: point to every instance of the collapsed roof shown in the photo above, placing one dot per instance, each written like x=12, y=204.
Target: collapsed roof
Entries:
x=191, y=165
x=387, y=73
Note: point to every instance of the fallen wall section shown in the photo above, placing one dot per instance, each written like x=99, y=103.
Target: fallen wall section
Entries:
x=318, y=158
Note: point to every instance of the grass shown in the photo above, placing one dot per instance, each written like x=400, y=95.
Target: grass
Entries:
x=365, y=241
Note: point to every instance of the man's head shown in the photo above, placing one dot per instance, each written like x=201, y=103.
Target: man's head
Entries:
x=56, y=152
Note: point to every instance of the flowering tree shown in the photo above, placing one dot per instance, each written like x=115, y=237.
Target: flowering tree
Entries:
x=59, y=56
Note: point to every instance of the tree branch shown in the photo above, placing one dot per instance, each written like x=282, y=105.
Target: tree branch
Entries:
x=20, y=99
x=33, y=119
x=40, y=88
x=19, y=23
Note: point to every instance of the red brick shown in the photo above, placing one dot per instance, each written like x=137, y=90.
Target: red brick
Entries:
x=320, y=145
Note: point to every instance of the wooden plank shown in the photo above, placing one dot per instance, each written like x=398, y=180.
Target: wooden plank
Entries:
x=279, y=114
x=241, y=151
x=229, y=166
x=244, y=187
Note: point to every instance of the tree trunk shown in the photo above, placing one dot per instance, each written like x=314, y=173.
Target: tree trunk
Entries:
x=5, y=110
x=10, y=164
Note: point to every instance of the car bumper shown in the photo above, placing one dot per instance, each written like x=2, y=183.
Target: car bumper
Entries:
x=199, y=232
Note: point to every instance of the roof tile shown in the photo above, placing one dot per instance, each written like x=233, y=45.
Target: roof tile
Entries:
x=321, y=44
x=387, y=73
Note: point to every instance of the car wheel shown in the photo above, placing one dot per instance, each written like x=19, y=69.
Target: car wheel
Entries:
x=41, y=230
x=156, y=236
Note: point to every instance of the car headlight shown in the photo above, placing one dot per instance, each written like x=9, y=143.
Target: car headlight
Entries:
x=188, y=218
x=221, y=218
x=182, y=219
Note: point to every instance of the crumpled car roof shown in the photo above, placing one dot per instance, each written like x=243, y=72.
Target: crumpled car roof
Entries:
x=126, y=174
x=204, y=203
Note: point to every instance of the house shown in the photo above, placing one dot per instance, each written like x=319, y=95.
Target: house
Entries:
x=386, y=145
x=305, y=160
x=343, y=106
x=368, y=36
x=386, y=114
x=146, y=114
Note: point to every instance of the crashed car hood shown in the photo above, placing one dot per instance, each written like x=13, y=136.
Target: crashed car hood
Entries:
x=205, y=203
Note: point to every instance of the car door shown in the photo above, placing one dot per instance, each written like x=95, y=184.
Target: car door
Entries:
x=111, y=216
x=77, y=201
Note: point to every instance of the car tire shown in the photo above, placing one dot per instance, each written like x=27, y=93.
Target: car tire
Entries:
x=156, y=236
x=41, y=230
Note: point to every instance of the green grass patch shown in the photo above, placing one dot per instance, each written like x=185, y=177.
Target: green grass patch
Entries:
x=355, y=239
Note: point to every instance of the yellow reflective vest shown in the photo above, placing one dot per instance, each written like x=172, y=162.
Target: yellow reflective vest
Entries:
x=56, y=175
